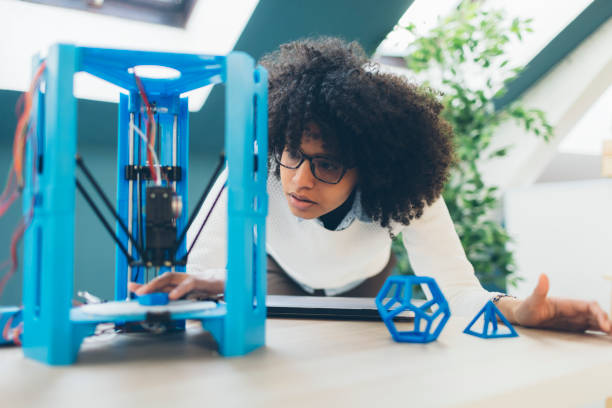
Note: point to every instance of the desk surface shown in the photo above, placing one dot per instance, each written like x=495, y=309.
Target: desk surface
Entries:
x=318, y=362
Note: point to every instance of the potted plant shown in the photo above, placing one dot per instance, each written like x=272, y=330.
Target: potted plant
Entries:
x=465, y=58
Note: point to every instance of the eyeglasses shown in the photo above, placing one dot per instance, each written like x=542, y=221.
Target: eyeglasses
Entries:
x=322, y=168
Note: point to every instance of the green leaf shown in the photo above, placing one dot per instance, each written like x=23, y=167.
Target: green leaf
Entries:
x=499, y=153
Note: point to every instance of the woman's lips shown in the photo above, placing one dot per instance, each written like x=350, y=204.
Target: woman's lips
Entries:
x=301, y=203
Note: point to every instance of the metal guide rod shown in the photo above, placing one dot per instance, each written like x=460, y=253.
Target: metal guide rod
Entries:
x=130, y=218
x=174, y=155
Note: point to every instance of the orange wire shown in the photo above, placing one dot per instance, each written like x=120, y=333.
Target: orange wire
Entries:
x=10, y=188
x=17, y=235
x=19, y=106
x=16, y=192
x=12, y=334
x=19, y=232
x=21, y=130
x=6, y=330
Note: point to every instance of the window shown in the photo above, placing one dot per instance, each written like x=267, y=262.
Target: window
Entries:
x=173, y=13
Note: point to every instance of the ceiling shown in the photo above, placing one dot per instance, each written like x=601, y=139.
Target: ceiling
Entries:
x=258, y=26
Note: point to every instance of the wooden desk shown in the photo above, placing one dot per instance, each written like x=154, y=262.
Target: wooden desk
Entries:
x=320, y=363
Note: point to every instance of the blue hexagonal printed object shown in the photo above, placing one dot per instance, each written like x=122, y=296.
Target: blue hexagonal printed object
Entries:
x=395, y=297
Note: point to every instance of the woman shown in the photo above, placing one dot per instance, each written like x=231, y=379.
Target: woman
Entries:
x=357, y=157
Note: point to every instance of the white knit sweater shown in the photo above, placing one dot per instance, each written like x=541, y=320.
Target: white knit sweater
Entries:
x=324, y=259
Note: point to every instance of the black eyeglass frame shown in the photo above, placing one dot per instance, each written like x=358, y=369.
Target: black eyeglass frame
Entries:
x=304, y=156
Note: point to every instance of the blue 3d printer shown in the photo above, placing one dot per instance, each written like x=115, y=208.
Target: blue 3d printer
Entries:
x=151, y=189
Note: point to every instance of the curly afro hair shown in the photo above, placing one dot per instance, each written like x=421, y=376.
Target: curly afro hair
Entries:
x=387, y=127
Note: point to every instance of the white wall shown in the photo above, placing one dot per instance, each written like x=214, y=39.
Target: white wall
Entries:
x=565, y=230
x=571, y=167
x=566, y=93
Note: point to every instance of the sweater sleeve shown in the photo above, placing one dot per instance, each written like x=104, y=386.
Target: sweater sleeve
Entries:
x=434, y=249
x=208, y=258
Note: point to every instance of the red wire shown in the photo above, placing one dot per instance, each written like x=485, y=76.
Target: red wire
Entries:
x=9, y=184
x=17, y=235
x=150, y=126
x=5, y=202
x=7, y=327
x=19, y=106
x=25, y=222
x=12, y=334
x=17, y=331
x=21, y=129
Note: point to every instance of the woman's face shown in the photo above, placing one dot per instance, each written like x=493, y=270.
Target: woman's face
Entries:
x=307, y=196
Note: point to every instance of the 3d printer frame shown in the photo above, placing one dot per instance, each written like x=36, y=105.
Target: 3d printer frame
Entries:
x=53, y=329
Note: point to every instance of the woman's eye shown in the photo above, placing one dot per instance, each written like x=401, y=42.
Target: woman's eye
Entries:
x=328, y=165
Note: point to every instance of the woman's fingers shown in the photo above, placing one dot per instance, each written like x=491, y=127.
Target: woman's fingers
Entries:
x=588, y=314
x=578, y=315
x=133, y=286
x=570, y=307
x=162, y=283
x=603, y=322
x=179, y=284
x=194, y=284
x=541, y=289
x=185, y=287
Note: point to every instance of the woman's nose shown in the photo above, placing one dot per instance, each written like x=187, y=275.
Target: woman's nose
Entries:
x=303, y=176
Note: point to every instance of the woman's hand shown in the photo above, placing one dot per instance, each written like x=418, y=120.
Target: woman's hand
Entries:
x=538, y=310
x=179, y=284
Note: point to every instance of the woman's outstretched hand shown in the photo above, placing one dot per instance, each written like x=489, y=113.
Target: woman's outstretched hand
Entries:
x=179, y=284
x=539, y=310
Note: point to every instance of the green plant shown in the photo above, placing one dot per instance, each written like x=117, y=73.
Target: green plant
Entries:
x=465, y=58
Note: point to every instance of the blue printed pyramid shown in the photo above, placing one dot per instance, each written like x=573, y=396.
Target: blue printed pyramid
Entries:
x=490, y=314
